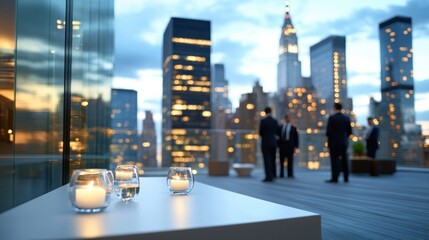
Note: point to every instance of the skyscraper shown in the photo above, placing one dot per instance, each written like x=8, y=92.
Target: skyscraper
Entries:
x=402, y=137
x=297, y=97
x=328, y=71
x=148, y=145
x=186, y=107
x=220, y=100
x=221, y=114
x=289, y=66
x=123, y=147
x=248, y=115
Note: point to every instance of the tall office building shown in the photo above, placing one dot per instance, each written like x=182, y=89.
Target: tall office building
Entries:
x=55, y=77
x=297, y=97
x=328, y=71
x=148, y=144
x=221, y=114
x=220, y=100
x=401, y=137
x=289, y=66
x=124, y=144
x=186, y=105
x=247, y=117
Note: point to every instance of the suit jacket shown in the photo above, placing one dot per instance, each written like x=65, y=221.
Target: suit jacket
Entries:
x=268, y=130
x=338, y=130
x=293, y=137
x=372, y=140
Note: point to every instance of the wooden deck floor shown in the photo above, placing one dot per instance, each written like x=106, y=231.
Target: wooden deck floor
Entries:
x=384, y=207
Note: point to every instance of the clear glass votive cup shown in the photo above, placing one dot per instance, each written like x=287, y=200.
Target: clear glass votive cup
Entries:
x=90, y=189
x=180, y=180
x=127, y=182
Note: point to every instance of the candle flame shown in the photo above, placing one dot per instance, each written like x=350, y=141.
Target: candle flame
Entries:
x=176, y=176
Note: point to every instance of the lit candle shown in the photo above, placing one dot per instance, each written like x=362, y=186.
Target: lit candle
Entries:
x=179, y=184
x=90, y=197
x=124, y=175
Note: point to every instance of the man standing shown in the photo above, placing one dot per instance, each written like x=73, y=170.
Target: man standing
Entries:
x=338, y=131
x=371, y=138
x=288, y=142
x=268, y=129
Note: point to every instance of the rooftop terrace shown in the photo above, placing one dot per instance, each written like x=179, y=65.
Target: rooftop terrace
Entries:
x=384, y=207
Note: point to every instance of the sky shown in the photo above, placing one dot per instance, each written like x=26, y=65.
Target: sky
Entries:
x=245, y=38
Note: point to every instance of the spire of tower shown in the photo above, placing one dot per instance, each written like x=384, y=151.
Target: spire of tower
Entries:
x=287, y=10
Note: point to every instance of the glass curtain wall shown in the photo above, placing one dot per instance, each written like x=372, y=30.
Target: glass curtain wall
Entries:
x=48, y=97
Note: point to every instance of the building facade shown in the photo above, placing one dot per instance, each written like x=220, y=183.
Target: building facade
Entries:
x=124, y=142
x=289, y=66
x=247, y=118
x=328, y=71
x=221, y=114
x=186, y=103
x=148, y=145
x=397, y=114
x=56, y=100
x=220, y=97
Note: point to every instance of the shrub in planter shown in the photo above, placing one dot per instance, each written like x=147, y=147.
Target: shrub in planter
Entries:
x=358, y=148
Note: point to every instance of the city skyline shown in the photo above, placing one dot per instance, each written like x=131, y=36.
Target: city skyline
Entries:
x=248, y=56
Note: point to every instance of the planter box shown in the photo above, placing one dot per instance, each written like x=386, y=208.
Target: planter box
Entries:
x=372, y=166
x=218, y=168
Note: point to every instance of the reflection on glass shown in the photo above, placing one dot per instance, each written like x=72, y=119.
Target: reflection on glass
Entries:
x=92, y=70
x=7, y=81
x=31, y=124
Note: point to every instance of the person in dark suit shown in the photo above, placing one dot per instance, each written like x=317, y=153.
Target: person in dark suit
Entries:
x=268, y=130
x=371, y=138
x=338, y=131
x=288, y=142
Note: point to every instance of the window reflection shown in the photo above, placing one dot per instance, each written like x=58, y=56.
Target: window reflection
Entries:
x=31, y=123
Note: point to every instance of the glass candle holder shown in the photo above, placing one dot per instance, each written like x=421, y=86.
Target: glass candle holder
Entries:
x=127, y=183
x=90, y=189
x=180, y=180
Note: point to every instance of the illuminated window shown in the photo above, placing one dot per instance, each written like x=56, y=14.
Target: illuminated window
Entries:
x=192, y=41
x=292, y=48
x=195, y=59
x=176, y=113
x=178, y=131
x=206, y=114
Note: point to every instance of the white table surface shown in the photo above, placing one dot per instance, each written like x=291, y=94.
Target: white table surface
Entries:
x=205, y=213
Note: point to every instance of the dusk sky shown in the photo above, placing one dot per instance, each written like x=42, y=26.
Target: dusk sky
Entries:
x=245, y=38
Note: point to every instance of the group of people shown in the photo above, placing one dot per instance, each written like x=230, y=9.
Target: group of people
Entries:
x=285, y=136
x=273, y=135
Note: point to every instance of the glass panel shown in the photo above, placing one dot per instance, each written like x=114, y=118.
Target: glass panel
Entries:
x=7, y=79
x=39, y=97
x=92, y=69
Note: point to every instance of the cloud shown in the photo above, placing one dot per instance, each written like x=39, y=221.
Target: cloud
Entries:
x=421, y=86
x=148, y=85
